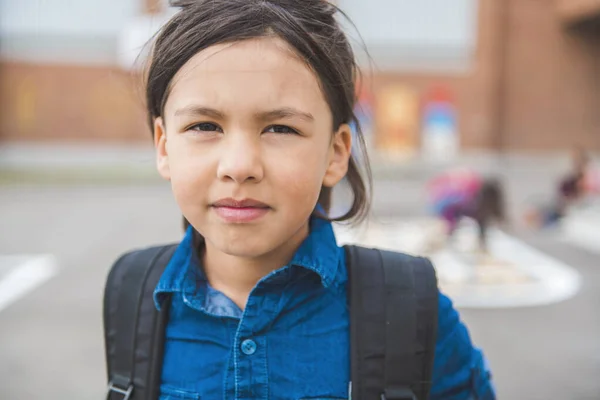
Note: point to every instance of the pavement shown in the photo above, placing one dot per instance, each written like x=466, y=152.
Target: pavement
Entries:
x=59, y=238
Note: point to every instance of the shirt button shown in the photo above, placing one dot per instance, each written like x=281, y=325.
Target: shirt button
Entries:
x=249, y=347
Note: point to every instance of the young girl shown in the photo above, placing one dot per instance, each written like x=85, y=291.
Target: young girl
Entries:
x=250, y=103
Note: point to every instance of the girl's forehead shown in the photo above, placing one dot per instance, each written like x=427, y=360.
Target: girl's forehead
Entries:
x=267, y=55
x=262, y=67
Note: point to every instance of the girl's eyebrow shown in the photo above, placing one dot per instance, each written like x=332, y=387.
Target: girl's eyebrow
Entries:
x=196, y=110
x=279, y=113
x=283, y=113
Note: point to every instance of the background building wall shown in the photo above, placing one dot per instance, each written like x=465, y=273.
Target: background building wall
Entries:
x=523, y=74
x=552, y=81
x=59, y=78
x=70, y=103
x=535, y=82
x=477, y=88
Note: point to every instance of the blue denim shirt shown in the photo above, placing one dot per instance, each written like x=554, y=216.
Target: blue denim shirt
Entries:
x=292, y=339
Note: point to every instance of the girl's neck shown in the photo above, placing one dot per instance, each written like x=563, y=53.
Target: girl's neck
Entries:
x=237, y=276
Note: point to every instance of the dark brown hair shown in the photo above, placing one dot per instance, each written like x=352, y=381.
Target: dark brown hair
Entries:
x=311, y=30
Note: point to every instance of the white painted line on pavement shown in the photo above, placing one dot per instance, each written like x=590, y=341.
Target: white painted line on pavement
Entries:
x=514, y=275
x=540, y=279
x=29, y=273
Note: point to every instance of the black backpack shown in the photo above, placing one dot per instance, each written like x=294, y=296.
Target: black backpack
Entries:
x=393, y=324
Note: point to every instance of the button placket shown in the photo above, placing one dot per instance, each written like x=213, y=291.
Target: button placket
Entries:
x=251, y=371
x=250, y=361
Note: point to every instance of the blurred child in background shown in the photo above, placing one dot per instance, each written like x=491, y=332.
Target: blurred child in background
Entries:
x=462, y=193
x=576, y=186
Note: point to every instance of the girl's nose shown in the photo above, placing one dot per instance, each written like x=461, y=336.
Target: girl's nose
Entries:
x=240, y=159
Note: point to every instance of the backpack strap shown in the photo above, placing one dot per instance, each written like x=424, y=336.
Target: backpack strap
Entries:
x=133, y=328
x=393, y=324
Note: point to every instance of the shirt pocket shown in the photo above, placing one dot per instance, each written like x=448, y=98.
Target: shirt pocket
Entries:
x=170, y=393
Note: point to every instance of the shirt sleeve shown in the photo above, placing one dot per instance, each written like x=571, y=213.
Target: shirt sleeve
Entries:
x=460, y=371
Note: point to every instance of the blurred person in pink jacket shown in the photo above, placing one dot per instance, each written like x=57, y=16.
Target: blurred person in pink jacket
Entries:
x=462, y=193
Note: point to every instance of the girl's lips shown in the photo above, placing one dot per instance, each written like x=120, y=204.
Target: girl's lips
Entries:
x=239, y=215
x=243, y=203
x=240, y=211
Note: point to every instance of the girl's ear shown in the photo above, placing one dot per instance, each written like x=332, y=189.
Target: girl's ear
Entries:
x=339, y=156
x=160, y=143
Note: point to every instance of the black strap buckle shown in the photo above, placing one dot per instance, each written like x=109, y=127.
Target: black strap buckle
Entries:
x=126, y=393
x=398, y=394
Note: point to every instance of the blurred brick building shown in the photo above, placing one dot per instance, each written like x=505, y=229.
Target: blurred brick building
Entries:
x=530, y=80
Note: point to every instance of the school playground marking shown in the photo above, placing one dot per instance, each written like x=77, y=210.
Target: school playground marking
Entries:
x=514, y=274
x=20, y=274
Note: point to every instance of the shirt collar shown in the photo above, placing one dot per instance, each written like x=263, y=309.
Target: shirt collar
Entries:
x=319, y=253
x=178, y=276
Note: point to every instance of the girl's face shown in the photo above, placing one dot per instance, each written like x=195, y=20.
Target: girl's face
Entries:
x=246, y=140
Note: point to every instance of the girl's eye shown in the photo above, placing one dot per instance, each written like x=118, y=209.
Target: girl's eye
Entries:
x=282, y=129
x=206, y=127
